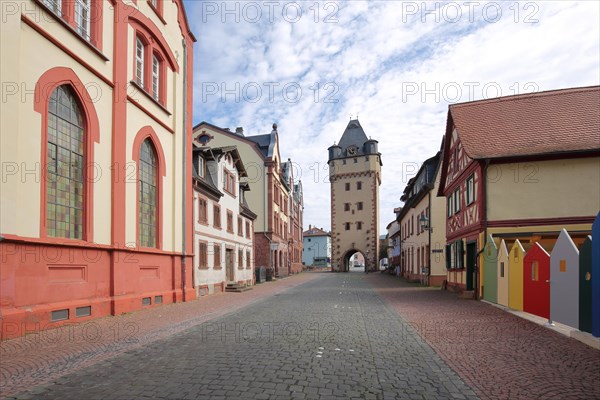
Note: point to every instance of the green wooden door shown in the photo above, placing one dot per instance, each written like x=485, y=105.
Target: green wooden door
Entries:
x=490, y=271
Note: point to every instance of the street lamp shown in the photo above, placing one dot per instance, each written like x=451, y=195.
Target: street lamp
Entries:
x=424, y=221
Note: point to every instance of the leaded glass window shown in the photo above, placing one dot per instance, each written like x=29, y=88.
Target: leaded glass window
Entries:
x=65, y=174
x=148, y=193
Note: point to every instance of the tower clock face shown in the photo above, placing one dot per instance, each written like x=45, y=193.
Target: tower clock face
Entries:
x=352, y=151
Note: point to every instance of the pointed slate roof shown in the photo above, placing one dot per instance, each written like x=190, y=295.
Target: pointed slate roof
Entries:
x=353, y=135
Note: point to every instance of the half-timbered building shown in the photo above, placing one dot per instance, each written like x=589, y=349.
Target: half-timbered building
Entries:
x=518, y=167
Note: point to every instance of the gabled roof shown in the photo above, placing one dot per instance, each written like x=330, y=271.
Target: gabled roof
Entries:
x=213, y=153
x=314, y=231
x=206, y=183
x=544, y=123
x=353, y=135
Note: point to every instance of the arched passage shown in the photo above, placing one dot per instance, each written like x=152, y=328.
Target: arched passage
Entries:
x=353, y=261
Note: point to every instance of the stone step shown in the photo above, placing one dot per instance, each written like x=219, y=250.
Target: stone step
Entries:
x=237, y=288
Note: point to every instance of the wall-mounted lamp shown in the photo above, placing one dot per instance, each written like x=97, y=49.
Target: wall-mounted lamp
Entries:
x=424, y=221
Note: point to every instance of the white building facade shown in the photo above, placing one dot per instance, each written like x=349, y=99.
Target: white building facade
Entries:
x=223, y=222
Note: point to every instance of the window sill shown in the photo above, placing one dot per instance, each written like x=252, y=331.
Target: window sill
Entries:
x=65, y=24
x=149, y=97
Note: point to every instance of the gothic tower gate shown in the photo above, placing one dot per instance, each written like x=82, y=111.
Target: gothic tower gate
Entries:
x=355, y=176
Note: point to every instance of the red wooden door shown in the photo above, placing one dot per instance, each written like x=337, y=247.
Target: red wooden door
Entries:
x=536, y=282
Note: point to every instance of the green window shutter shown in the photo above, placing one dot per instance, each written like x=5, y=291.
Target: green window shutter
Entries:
x=448, y=254
x=460, y=253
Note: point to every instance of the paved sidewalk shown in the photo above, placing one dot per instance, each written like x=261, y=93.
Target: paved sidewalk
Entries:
x=330, y=338
x=498, y=354
x=47, y=355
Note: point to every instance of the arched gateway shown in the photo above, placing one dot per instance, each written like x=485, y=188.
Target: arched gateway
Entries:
x=355, y=176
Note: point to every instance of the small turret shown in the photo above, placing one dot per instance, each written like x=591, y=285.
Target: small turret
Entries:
x=335, y=151
x=370, y=147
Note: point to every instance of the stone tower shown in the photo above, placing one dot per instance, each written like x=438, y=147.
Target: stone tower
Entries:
x=355, y=176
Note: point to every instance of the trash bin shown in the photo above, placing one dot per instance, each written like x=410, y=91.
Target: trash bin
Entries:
x=261, y=274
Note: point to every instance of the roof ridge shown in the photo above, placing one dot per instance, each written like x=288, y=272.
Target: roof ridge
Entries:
x=545, y=93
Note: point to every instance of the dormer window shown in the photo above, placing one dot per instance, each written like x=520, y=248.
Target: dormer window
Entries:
x=201, y=167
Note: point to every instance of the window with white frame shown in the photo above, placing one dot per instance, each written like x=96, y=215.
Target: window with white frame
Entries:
x=201, y=167
x=449, y=207
x=470, y=189
x=82, y=18
x=456, y=200
x=55, y=6
x=155, y=77
x=139, y=62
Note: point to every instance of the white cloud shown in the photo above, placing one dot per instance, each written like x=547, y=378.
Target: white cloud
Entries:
x=370, y=57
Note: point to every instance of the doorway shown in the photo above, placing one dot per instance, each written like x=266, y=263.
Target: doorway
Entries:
x=229, y=270
x=471, y=259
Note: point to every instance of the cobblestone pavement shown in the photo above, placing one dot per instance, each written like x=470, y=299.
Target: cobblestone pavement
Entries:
x=44, y=355
x=329, y=338
x=501, y=356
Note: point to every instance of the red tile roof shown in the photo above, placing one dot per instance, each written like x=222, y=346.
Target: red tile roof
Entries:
x=314, y=231
x=557, y=121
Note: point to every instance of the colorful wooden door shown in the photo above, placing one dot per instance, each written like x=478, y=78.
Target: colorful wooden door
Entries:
x=564, y=281
x=596, y=277
x=536, y=281
x=515, y=276
x=503, y=274
x=490, y=271
x=585, y=286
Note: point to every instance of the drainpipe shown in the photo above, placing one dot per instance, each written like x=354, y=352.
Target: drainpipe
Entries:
x=266, y=222
x=429, y=231
x=184, y=176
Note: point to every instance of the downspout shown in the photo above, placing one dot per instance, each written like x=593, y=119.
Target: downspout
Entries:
x=429, y=247
x=184, y=177
x=266, y=222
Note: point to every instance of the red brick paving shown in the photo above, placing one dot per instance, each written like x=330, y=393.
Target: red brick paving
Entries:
x=501, y=356
x=44, y=356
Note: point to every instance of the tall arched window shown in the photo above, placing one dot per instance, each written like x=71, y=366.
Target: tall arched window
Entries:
x=65, y=169
x=148, y=192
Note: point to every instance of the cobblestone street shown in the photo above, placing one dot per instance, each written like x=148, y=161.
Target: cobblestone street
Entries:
x=318, y=336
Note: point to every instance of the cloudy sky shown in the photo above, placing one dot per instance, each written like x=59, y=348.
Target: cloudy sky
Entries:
x=309, y=66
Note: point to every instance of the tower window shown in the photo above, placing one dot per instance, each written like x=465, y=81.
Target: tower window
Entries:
x=358, y=185
x=346, y=206
x=347, y=186
x=359, y=226
x=347, y=226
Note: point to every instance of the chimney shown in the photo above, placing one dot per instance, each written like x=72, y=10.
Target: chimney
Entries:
x=239, y=131
x=309, y=227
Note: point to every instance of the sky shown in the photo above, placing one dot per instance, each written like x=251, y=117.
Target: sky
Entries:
x=310, y=66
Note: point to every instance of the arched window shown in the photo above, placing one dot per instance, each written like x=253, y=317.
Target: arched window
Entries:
x=65, y=169
x=147, y=196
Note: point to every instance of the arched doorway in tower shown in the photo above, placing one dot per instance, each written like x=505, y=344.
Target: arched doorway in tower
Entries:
x=354, y=261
